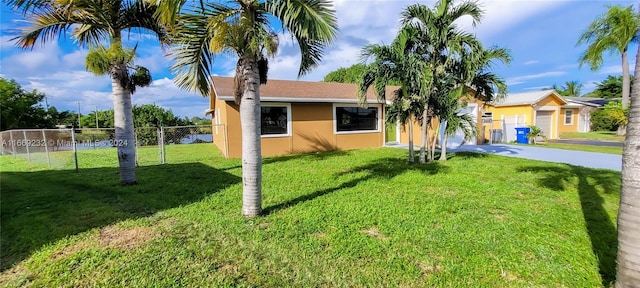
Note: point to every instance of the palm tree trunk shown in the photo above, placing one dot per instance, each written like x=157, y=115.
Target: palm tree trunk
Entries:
x=626, y=84
x=428, y=148
x=433, y=147
x=411, y=156
x=251, y=146
x=443, y=148
x=123, y=123
x=423, y=129
x=443, y=145
x=626, y=79
x=628, y=272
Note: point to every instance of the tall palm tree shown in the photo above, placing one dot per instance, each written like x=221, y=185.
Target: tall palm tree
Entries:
x=402, y=111
x=396, y=64
x=628, y=272
x=440, y=42
x=244, y=28
x=100, y=25
x=611, y=32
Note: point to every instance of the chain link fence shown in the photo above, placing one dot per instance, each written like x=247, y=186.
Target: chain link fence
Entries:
x=178, y=135
x=82, y=148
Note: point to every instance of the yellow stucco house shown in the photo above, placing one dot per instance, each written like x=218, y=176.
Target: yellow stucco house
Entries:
x=300, y=117
x=545, y=109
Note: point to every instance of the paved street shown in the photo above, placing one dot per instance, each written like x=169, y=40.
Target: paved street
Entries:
x=578, y=158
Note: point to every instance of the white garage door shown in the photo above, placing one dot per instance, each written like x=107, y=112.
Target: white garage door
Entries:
x=457, y=140
x=543, y=121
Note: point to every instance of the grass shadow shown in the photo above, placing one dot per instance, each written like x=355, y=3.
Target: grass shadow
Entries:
x=385, y=168
x=309, y=156
x=591, y=184
x=38, y=208
x=465, y=155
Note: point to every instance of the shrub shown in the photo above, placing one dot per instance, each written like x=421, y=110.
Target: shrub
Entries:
x=609, y=118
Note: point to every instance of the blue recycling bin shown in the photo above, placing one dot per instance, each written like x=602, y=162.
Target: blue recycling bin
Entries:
x=521, y=135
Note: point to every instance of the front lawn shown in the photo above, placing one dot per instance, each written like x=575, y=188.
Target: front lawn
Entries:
x=581, y=147
x=594, y=135
x=354, y=218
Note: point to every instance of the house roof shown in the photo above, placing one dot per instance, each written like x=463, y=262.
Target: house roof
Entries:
x=588, y=101
x=300, y=91
x=528, y=98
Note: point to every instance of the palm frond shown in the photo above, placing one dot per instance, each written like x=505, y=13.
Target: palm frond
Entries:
x=312, y=23
x=192, y=55
x=49, y=23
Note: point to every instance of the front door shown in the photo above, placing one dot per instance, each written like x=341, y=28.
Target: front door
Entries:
x=391, y=132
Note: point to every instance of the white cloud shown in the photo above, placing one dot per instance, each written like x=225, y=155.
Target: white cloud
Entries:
x=613, y=69
x=531, y=62
x=523, y=78
x=537, y=88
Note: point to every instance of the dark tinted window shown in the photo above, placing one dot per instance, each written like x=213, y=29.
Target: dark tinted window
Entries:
x=356, y=118
x=274, y=120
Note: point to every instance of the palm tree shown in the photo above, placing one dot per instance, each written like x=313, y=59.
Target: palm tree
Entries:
x=628, y=272
x=572, y=88
x=611, y=32
x=100, y=25
x=396, y=64
x=244, y=28
x=534, y=133
x=400, y=111
x=473, y=68
x=440, y=42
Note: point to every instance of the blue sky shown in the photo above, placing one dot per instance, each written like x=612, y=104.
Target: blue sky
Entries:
x=541, y=35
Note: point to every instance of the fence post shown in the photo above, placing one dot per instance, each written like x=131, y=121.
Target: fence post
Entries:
x=13, y=144
x=75, y=150
x=163, y=156
x=135, y=137
x=46, y=148
x=26, y=142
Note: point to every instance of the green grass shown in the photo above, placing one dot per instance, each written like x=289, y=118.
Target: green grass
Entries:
x=353, y=218
x=580, y=147
x=595, y=135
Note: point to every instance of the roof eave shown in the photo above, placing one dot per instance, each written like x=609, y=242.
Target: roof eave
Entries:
x=311, y=100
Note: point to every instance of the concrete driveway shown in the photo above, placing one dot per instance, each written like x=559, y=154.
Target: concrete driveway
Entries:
x=578, y=158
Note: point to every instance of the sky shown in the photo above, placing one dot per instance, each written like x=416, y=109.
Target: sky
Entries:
x=540, y=34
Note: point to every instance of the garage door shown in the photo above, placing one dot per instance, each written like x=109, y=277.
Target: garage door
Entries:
x=543, y=121
x=457, y=140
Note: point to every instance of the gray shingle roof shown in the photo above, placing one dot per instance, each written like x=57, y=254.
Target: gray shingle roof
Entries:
x=301, y=91
x=527, y=98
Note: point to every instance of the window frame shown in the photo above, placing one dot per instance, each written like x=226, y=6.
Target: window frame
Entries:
x=570, y=118
x=289, y=126
x=335, y=121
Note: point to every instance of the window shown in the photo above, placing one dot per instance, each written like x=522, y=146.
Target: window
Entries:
x=356, y=119
x=275, y=120
x=568, y=117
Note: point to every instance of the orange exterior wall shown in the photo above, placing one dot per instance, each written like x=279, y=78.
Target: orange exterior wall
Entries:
x=312, y=130
x=573, y=127
x=219, y=124
x=417, y=132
